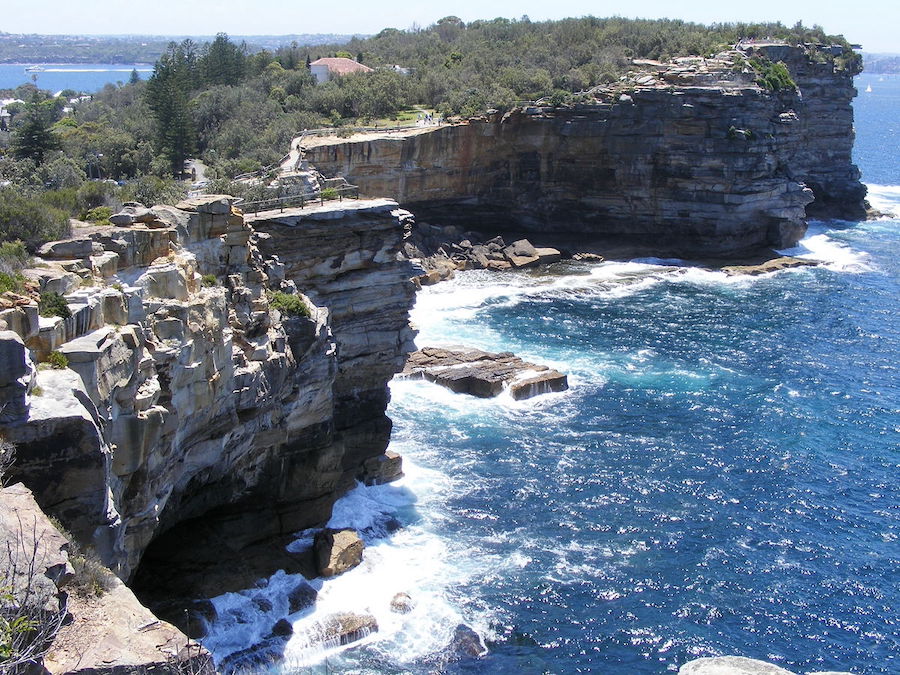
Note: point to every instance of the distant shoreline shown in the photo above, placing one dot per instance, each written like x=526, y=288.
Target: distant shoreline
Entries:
x=148, y=66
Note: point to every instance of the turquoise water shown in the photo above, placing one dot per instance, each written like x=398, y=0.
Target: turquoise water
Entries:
x=721, y=478
x=82, y=77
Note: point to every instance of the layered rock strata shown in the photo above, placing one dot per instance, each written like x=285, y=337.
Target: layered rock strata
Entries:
x=191, y=407
x=692, y=158
x=483, y=374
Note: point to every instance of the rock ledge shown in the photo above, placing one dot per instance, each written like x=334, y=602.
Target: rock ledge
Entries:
x=483, y=374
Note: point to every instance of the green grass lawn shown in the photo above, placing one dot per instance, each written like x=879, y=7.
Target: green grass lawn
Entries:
x=405, y=117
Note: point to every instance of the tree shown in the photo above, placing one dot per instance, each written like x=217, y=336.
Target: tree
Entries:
x=168, y=97
x=135, y=77
x=224, y=62
x=33, y=137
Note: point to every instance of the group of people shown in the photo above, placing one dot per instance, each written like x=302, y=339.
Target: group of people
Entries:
x=427, y=119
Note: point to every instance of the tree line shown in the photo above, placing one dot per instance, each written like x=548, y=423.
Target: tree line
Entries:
x=238, y=108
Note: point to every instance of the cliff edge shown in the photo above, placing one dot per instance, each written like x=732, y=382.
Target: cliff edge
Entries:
x=188, y=396
x=693, y=157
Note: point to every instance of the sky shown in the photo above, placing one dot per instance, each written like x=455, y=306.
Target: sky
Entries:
x=873, y=23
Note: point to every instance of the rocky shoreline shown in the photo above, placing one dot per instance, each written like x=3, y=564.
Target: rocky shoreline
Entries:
x=192, y=406
x=210, y=382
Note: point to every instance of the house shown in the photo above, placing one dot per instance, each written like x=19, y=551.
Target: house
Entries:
x=325, y=69
x=5, y=115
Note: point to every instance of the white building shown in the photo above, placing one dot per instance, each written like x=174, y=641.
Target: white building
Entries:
x=325, y=69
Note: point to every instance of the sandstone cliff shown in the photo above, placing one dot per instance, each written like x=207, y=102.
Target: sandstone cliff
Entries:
x=190, y=403
x=691, y=157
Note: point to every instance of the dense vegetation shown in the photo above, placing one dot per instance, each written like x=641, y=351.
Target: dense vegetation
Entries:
x=237, y=108
x=463, y=68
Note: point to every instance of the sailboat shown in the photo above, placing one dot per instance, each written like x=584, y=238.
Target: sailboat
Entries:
x=869, y=89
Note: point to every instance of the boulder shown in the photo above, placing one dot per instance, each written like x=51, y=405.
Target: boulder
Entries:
x=282, y=628
x=68, y=249
x=131, y=213
x=337, y=551
x=521, y=254
x=218, y=205
x=258, y=658
x=347, y=627
x=382, y=469
x=483, y=374
x=544, y=382
x=465, y=643
x=401, y=603
x=548, y=255
x=588, y=257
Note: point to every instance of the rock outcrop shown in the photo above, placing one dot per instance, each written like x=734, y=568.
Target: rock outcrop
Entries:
x=441, y=251
x=692, y=158
x=483, y=374
x=109, y=633
x=337, y=551
x=768, y=266
x=193, y=412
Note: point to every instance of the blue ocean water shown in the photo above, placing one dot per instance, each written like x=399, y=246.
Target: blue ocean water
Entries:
x=721, y=478
x=83, y=77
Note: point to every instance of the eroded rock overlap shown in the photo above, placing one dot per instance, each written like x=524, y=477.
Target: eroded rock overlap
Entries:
x=188, y=399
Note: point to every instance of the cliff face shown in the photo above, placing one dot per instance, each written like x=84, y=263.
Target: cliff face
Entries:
x=188, y=398
x=687, y=158
x=821, y=154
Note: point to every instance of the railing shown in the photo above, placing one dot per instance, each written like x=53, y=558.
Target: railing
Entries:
x=301, y=200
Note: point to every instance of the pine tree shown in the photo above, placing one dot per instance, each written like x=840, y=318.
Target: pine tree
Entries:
x=33, y=137
x=224, y=62
x=168, y=92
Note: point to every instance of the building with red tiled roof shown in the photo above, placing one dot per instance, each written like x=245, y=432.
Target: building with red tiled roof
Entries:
x=325, y=69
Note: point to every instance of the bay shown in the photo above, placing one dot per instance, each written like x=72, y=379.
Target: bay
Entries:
x=87, y=78
x=719, y=479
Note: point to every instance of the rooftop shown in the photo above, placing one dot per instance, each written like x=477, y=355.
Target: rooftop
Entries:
x=341, y=66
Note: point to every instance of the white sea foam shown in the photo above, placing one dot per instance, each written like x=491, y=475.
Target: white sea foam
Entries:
x=884, y=198
x=820, y=246
x=413, y=560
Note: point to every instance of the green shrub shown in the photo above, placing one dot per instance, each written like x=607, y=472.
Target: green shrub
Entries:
x=53, y=304
x=13, y=256
x=773, y=76
x=96, y=193
x=29, y=219
x=329, y=193
x=99, y=215
x=13, y=283
x=293, y=305
x=151, y=190
x=57, y=360
x=209, y=280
